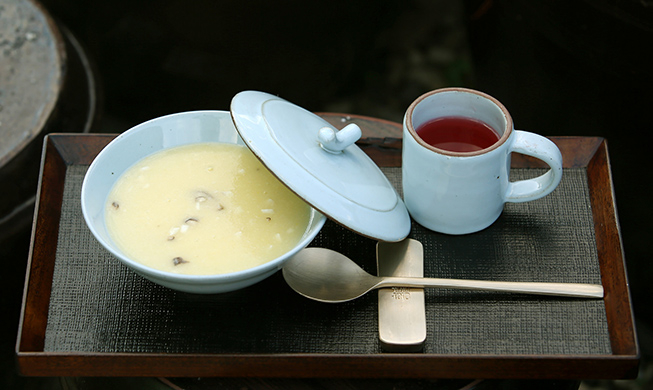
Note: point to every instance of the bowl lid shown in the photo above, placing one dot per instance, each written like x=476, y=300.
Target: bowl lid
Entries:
x=321, y=164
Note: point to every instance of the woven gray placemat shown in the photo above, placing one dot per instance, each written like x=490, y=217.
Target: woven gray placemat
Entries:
x=99, y=305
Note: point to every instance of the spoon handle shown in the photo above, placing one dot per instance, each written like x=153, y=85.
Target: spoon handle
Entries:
x=559, y=289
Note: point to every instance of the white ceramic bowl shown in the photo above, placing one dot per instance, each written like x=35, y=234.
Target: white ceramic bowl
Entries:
x=151, y=137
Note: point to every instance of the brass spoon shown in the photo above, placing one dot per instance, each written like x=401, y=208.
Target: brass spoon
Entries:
x=328, y=276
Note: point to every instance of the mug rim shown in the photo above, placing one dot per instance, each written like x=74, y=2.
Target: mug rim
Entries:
x=504, y=137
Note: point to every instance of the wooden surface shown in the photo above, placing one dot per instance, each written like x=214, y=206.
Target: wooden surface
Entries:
x=65, y=149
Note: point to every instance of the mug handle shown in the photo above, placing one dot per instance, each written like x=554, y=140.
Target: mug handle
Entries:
x=535, y=145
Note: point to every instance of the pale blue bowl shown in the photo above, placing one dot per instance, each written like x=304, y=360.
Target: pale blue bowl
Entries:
x=151, y=137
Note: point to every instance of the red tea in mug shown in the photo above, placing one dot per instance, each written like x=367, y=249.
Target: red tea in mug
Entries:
x=458, y=134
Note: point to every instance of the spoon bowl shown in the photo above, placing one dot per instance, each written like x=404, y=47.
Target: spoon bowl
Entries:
x=328, y=276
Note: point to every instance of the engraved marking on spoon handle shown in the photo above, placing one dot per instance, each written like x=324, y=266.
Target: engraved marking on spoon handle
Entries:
x=578, y=290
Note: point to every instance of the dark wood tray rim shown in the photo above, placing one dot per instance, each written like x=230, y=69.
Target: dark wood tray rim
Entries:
x=62, y=150
x=307, y=365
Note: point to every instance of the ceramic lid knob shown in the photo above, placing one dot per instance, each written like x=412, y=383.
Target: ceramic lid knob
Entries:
x=336, y=141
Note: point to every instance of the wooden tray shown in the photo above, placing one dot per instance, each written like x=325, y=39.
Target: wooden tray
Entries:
x=61, y=151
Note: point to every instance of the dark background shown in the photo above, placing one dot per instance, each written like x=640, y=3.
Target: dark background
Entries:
x=561, y=67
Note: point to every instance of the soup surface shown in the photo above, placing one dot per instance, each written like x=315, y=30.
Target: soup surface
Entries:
x=201, y=209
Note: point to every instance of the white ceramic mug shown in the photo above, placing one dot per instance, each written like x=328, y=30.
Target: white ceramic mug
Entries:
x=464, y=192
